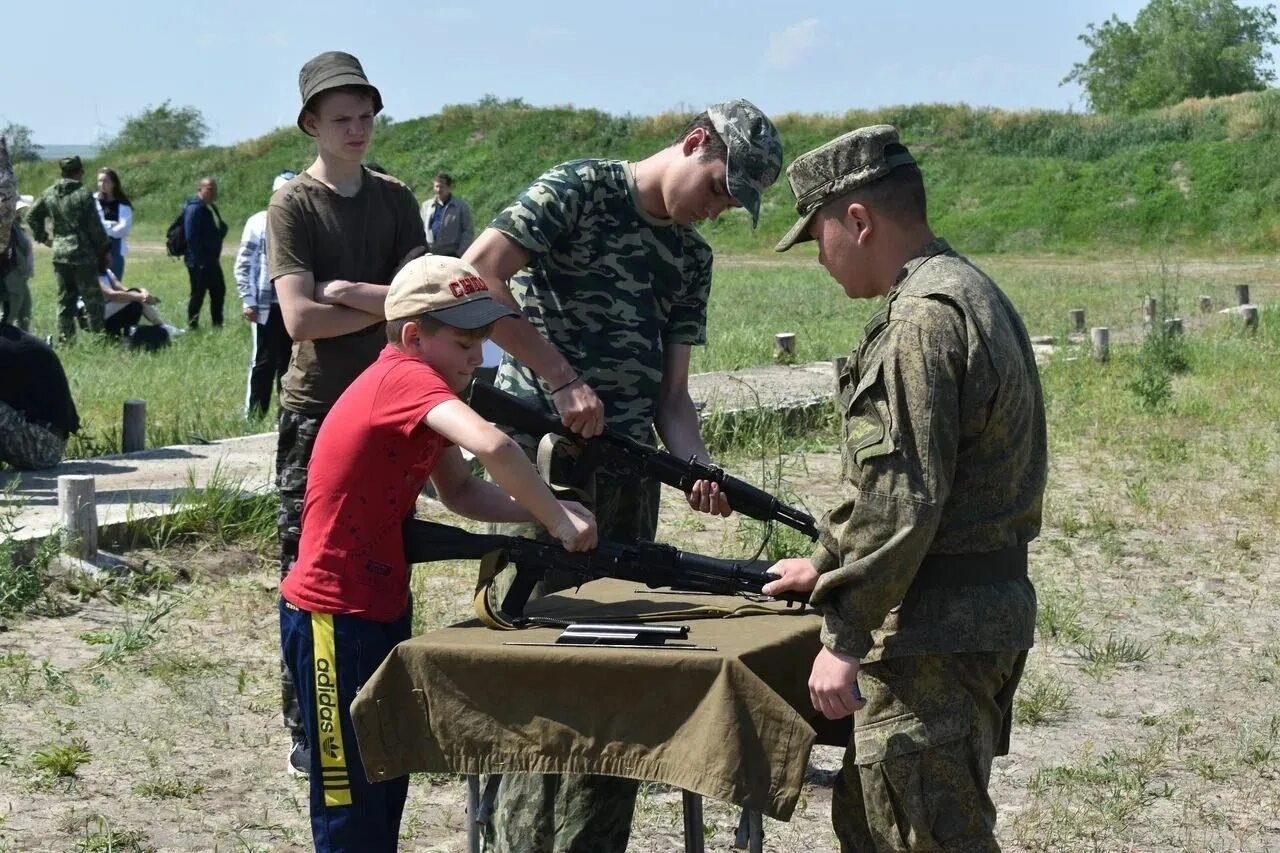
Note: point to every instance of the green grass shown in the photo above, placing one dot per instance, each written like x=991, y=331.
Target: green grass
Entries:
x=62, y=760
x=194, y=389
x=1203, y=174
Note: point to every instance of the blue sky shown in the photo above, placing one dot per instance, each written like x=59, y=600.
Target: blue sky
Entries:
x=83, y=66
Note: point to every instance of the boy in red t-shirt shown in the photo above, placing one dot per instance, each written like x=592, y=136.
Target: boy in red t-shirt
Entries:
x=345, y=604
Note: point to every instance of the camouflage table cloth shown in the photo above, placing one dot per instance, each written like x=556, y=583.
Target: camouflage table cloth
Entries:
x=735, y=724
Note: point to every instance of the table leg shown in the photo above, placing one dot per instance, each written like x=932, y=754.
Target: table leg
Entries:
x=473, y=811
x=693, y=839
x=750, y=834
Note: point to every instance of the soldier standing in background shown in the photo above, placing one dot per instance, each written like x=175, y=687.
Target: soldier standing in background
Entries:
x=78, y=240
x=921, y=570
x=8, y=195
x=613, y=280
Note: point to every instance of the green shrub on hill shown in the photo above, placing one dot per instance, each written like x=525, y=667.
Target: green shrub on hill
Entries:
x=1203, y=173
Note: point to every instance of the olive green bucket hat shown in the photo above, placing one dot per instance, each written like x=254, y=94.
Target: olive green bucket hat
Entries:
x=331, y=70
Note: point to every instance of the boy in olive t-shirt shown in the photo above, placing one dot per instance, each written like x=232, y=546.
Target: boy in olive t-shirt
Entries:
x=336, y=235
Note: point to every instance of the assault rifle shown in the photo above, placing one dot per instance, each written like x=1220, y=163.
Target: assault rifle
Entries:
x=647, y=563
x=502, y=408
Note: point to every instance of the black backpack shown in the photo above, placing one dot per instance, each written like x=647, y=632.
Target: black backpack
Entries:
x=175, y=239
x=147, y=338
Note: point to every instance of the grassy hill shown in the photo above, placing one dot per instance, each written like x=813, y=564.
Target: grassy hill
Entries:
x=1204, y=174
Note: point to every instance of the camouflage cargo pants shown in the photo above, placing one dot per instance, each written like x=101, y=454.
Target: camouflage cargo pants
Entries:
x=542, y=813
x=27, y=446
x=294, y=444
x=916, y=773
x=76, y=282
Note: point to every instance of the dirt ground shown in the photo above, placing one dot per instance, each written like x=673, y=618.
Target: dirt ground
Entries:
x=1149, y=718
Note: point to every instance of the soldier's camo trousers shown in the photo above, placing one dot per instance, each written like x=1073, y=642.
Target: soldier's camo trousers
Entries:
x=27, y=446
x=76, y=282
x=294, y=444
x=915, y=775
x=543, y=813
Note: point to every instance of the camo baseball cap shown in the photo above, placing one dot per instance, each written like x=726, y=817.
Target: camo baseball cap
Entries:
x=446, y=288
x=845, y=163
x=331, y=70
x=755, y=151
x=70, y=165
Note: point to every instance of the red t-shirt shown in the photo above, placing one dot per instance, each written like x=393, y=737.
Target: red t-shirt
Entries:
x=372, y=457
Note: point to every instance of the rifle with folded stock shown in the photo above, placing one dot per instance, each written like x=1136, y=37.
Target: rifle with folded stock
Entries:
x=502, y=408
x=649, y=563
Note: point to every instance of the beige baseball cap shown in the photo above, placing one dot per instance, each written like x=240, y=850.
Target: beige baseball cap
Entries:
x=447, y=289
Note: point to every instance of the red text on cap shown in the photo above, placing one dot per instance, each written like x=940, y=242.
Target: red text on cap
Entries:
x=466, y=286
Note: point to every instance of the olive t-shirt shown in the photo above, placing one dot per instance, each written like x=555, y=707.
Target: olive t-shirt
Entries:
x=311, y=228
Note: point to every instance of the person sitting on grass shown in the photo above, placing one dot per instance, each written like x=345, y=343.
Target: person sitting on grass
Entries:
x=124, y=308
x=345, y=604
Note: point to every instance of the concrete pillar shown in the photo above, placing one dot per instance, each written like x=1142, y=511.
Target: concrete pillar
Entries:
x=1101, y=343
x=133, y=431
x=784, y=347
x=78, y=516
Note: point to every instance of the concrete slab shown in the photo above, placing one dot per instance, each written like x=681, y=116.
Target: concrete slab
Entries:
x=147, y=484
x=773, y=386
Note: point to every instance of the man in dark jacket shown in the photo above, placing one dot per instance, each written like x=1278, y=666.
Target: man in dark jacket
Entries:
x=36, y=410
x=78, y=240
x=204, y=229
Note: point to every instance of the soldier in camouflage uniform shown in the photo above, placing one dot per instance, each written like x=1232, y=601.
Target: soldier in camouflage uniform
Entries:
x=612, y=278
x=8, y=198
x=921, y=569
x=78, y=241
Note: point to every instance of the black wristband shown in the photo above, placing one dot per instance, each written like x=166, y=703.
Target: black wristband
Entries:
x=564, y=386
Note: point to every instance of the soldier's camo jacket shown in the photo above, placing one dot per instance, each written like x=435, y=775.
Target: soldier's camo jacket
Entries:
x=944, y=452
x=78, y=235
x=608, y=285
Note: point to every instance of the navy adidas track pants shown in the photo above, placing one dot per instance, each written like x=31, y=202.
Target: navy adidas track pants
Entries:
x=330, y=658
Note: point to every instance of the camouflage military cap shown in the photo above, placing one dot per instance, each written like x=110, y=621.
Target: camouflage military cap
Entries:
x=843, y=164
x=330, y=70
x=70, y=165
x=755, y=151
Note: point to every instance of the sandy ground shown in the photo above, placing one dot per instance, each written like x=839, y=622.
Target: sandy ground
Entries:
x=1149, y=719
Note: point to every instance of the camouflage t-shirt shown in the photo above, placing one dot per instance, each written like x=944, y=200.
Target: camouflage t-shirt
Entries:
x=944, y=453
x=607, y=284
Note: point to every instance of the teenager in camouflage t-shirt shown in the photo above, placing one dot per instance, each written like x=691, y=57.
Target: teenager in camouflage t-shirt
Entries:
x=610, y=285
x=612, y=281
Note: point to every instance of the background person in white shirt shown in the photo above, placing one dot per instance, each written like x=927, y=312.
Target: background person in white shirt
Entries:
x=124, y=308
x=272, y=345
x=116, y=212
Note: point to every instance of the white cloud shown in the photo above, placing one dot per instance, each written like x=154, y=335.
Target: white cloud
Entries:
x=788, y=47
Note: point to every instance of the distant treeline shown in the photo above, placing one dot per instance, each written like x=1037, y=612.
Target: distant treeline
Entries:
x=1204, y=174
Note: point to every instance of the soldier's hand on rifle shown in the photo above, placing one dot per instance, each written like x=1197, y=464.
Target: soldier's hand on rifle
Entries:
x=795, y=574
x=705, y=496
x=833, y=684
x=577, y=530
x=580, y=409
